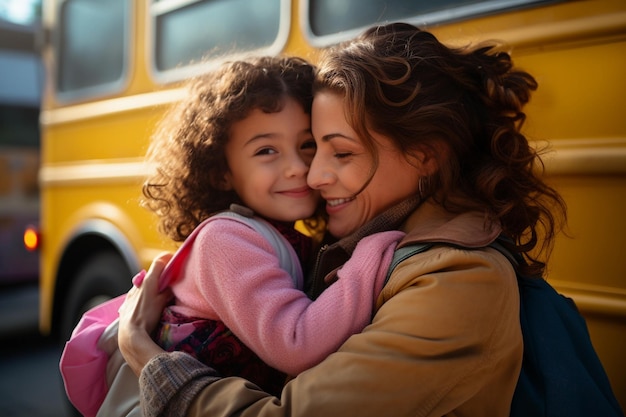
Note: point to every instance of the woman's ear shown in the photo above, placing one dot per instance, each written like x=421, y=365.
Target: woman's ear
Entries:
x=430, y=164
x=423, y=162
x=427, y=159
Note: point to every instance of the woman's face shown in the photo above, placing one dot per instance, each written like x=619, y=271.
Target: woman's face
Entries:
x=342, y=165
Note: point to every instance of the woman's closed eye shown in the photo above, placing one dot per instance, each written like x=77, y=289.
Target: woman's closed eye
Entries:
x=343, y=155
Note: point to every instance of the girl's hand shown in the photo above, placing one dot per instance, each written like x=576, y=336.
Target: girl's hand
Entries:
x=139, y=315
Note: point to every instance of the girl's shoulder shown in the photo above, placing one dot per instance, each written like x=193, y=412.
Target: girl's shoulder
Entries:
x=231, y=226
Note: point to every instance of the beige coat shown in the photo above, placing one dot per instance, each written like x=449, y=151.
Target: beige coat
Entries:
x=445, y=341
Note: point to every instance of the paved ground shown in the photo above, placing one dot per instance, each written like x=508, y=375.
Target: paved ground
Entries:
x=30, y=383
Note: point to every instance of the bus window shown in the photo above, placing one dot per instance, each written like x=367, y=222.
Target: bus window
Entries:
x=19, y=125
x=329, y=17
x=217, y=30
x=92, y=39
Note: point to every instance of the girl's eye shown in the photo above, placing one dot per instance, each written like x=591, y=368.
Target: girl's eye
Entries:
x=309, y=144
x=343, y=155
x=265, y=151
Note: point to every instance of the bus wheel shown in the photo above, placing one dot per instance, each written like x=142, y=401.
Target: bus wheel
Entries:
x=102, y=277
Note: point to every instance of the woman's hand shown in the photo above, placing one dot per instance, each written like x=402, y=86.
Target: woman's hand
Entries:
x=140, y=314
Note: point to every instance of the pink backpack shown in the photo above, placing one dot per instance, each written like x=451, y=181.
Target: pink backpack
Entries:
x=83, y=363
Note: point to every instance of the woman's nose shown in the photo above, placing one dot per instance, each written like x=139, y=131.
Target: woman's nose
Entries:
x=319, y=175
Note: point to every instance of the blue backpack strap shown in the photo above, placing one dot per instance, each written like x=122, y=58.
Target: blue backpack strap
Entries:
x=404, y=253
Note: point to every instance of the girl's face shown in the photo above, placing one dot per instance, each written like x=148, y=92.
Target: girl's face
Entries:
x=269, y=155
x=342, y=165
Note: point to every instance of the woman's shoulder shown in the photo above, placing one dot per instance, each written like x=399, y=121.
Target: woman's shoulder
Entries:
x=453, y=289
x=432, y=223
x=445, y=268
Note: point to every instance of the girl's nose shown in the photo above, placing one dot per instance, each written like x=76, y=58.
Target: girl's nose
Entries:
x=296, y=167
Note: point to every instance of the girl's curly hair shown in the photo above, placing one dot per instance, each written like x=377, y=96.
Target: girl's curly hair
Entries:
x=187, y=148
x=403, y=83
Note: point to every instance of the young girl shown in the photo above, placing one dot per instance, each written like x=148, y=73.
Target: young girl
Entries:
x=242, y=140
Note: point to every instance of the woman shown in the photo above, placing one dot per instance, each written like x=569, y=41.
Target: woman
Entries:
x=414, y=136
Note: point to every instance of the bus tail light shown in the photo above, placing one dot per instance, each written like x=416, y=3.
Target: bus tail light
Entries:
x=32, y=238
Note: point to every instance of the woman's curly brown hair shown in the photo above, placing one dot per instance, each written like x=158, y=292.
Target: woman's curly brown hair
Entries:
x=187, y=148
x=403, y=83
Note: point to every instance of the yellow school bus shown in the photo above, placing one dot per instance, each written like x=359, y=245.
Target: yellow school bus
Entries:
x=113, y=66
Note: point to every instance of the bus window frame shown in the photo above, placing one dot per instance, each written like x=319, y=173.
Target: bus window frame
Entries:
x=423, y=20
x=182, y=72
x=100, y=90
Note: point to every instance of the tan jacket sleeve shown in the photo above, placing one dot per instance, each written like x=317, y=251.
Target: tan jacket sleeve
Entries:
x=446, y=337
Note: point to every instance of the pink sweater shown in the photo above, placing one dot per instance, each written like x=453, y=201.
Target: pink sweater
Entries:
x=232, y=274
